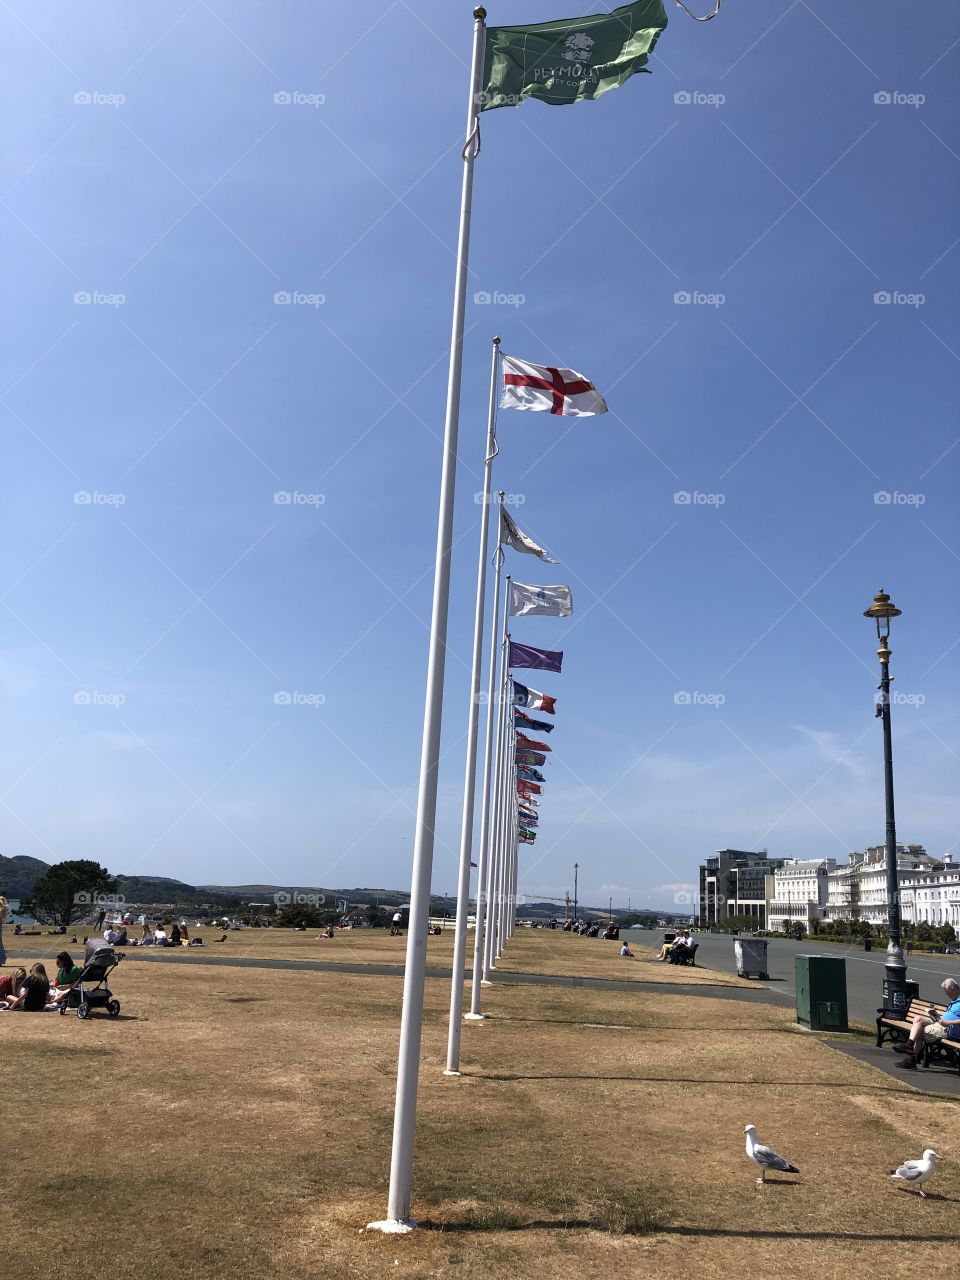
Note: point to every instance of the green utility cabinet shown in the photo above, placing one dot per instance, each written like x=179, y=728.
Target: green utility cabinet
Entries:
x=822, y=992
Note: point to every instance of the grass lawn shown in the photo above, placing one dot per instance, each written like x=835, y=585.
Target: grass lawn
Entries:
x=531, y=951
x=237, y=1123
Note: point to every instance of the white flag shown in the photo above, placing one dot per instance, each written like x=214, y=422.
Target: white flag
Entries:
x=513, y=537
x=541, y=387
x=557, y=602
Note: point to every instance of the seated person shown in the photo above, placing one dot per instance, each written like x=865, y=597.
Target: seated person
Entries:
x=184, y=935
x=175, y=936
x=683, y=948
x=67, y=975
x=160, y=936
x=110, y=934
x=625, y=950
x=665, y=951
x=930, y=1027
x=147, y=939
x=120, y=937
x=33, y=994
x=10, y=985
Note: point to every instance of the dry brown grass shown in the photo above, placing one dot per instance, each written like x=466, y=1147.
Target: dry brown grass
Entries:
x=237, y=1122
x=550, y=951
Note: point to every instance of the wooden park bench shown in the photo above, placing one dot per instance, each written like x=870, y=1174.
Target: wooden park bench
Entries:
x=898, y=1029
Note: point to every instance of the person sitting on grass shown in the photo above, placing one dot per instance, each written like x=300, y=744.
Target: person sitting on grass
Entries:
x=147, y=939
x=625, y=951
x=34, y=992
x=10, y=985
x=160, y=938
x=175, y=936
x=67, y=975
x=930, y=1027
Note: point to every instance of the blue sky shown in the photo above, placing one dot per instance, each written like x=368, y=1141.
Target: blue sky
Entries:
x=148, y=629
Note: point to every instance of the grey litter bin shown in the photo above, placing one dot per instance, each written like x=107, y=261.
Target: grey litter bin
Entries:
x=751, y=956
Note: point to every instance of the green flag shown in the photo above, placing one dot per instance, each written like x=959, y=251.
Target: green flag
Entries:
x=567, y=61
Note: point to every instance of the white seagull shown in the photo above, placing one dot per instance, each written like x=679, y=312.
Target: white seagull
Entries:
x=917, y=1172
x=765, y=1157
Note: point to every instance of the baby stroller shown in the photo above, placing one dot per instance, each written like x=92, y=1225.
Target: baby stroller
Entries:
x=90, y=991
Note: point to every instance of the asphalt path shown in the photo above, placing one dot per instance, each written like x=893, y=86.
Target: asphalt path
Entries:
x=864, y=968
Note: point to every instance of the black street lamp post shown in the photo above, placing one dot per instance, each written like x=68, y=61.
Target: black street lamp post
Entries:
x=896, y=990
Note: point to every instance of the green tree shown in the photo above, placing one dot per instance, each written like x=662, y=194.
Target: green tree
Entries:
x=70, y=891
x=300, y=915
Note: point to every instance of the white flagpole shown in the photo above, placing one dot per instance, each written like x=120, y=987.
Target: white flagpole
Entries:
x=470, y=778
x=501, y=774
x=411, y=1021
x=493, y=705
x=480, y=968
x=509, y=809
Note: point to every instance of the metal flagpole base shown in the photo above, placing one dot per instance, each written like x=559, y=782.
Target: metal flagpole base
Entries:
x=474, y=1017
x=394, y=1226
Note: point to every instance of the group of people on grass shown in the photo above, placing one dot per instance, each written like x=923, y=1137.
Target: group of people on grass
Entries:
x=32, y=992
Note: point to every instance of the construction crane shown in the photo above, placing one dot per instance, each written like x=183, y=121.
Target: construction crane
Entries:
x=545, y=897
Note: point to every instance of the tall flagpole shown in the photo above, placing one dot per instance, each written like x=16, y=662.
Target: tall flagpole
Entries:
x=493, y=881
x=470, y=778
x=411, y=1021
x=494, y=701
x=509, y=808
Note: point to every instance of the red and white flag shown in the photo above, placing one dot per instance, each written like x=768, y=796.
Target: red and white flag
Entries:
x=549, y=390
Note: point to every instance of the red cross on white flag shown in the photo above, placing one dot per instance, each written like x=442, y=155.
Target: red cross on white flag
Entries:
x=540, y=387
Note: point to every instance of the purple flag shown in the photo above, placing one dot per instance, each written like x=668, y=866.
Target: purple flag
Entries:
x=522, y=655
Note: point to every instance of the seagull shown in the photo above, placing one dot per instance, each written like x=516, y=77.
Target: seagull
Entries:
x=764, y=1156
x=917, y=1172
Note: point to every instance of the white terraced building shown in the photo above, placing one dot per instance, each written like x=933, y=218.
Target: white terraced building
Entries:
x=932, y=897
x=800, y=892
x=858, y=889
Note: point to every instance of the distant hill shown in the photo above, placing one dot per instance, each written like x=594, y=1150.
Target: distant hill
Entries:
x=18, y=875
